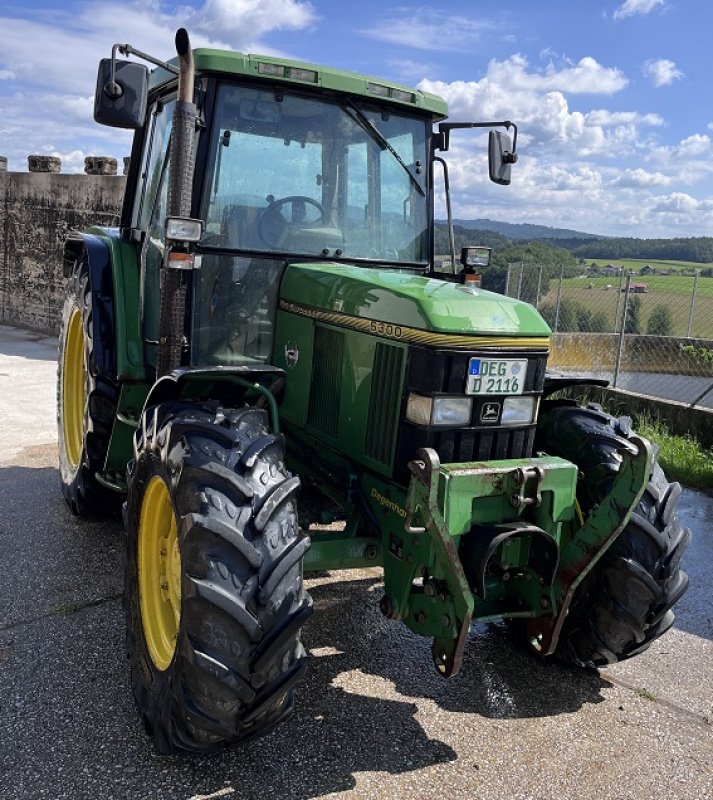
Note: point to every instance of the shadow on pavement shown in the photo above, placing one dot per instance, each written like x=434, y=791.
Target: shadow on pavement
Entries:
x=497, y=680
x=371, y=702
x=27, y=344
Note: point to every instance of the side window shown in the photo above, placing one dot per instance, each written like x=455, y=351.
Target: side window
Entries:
x=153, y=161
x=152, y=217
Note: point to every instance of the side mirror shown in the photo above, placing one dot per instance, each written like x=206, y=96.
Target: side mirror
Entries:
x=500, y=157
x=475, y=256
x=121, y=102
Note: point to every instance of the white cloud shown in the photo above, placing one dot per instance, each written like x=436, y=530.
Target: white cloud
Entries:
x=599, y=170
x=692, y=153
x=662, y=72
x=606, y=118
x=632, y=7
x=426, y=28
x=73, y=161
x=640, y=178
x=510, y=90
x=234, y=24
x=676, y=201
x=241, y=19
x=67, y=45
x=585, y=77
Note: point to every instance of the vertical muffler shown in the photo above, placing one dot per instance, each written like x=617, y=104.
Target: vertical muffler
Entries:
x=174, y=282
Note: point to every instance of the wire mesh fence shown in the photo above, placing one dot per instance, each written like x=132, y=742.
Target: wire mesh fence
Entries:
x=649, y=332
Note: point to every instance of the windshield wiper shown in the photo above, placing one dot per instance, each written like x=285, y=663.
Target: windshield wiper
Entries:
x=360, y=117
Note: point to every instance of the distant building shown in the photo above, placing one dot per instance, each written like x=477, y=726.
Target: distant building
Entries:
x=637, y=288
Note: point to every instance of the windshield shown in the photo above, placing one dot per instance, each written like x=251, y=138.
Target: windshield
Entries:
x=303, y=176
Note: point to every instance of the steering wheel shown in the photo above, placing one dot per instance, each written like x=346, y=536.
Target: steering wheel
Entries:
x=272, y=222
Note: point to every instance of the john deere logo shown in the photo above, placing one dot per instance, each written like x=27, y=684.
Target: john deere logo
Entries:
x=490, y=412
x=292, y=354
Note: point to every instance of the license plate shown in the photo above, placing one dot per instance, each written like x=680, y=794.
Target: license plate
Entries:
x=496, y=376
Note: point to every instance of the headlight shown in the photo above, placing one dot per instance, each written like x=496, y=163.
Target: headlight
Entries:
x=518, y=410
x=184, y=229
x=438, y=410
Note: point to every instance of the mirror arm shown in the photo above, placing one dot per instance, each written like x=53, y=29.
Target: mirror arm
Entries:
x=112, y=88
x=451, y=234
x=445, y=128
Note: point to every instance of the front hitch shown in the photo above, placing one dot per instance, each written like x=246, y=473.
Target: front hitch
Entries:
x=422, y=502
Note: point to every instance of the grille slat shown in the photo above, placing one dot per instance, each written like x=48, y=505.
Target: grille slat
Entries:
x=385, y=385
x=325, y=392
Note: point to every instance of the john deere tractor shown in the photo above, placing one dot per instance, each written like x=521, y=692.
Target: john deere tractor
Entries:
x=264, y=345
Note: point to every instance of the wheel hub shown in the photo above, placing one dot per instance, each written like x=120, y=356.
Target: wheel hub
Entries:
x=159, y=568
x=74, y=389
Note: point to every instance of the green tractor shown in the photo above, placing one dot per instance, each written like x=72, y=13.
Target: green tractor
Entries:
x=267, y=323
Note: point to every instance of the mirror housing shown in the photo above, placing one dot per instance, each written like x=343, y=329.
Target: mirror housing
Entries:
x=475, y=256
x=500, y=157
x=121, y=102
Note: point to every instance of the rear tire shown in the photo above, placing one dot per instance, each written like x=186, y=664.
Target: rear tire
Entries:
x=625, y=603
x=86, y=406
x=240, y=605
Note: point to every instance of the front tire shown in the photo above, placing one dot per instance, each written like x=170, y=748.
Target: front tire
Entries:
x=213, y=595
x=625, y=602
x=86, y=406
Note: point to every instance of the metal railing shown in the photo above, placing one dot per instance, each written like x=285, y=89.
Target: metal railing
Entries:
x=649, y=332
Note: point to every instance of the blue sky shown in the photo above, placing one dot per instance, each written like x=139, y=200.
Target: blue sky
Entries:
x=612, y=97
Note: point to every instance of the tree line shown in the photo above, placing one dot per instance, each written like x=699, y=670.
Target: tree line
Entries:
x=698, y=249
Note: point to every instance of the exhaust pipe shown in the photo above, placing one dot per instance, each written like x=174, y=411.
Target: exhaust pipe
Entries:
x=183, y=133
x=180, y=188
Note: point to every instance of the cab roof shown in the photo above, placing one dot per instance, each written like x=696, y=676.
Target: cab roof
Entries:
x=300, y=73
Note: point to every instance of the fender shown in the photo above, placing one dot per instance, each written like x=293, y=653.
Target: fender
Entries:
x=555, y=381
x=230, y=386
x=82, y=248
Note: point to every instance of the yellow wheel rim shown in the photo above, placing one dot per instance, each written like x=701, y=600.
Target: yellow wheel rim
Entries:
x=74, y=392
x=159, y=566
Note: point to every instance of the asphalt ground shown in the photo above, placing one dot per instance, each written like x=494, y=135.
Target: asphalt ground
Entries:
x=372, y=719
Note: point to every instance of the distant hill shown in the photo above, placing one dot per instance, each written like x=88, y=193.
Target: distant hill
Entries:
x=499, y=235
x=523, y=230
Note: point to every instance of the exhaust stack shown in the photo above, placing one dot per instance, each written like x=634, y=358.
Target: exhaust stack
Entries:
x=180, y=187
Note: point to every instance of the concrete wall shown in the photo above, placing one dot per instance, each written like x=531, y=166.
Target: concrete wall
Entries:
x=37, y=210
x=597, y=352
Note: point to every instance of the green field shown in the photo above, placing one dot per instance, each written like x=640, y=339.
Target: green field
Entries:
x=673, y=292
x=636, y=264
x=656, y=284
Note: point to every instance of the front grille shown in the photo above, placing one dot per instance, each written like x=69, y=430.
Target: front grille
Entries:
x=444, y=372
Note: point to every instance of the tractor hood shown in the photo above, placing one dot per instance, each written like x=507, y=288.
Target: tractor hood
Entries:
x=401, y=298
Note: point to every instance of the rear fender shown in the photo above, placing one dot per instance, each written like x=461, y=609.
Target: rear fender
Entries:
x=84, y=248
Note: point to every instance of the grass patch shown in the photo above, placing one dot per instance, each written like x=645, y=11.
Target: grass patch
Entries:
x=681, y=457
x=646, y=694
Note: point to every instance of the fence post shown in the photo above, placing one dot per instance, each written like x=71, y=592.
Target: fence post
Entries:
x=620, y=348
x=519, y=281
x=693, y=305
x=618, y=298
x=559, y=299
x=539, y=286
